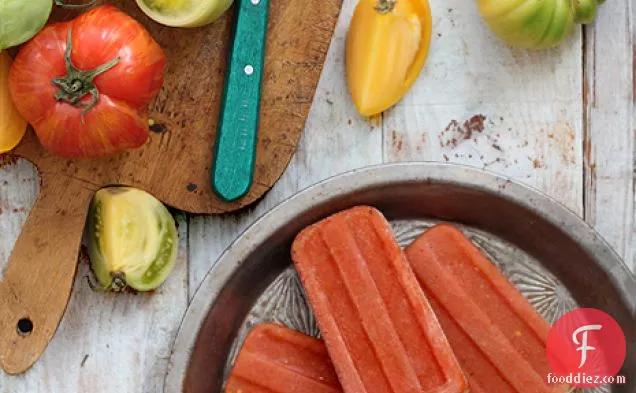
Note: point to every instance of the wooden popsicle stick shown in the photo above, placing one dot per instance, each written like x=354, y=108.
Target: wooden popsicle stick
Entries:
x=37, y=283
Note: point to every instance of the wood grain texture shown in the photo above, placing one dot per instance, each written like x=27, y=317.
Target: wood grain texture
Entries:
x=108, y=342
x=19, y=187
x=37, y=282
x=174, y=165
x=610, y=98
x=336, y=139
x=480, y=103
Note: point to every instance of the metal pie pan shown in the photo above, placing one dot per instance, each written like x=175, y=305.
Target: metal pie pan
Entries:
x=555, y=259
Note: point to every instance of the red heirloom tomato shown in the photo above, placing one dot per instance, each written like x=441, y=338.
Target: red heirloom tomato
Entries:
x=85, y=85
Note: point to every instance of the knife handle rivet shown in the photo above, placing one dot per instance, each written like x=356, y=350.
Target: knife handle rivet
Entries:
x=255, y=2
x=249, y=70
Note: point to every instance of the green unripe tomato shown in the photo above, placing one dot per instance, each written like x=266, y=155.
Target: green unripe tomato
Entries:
x=184, y=13
x=536, y=24
x=133, y=239
x=20, y=20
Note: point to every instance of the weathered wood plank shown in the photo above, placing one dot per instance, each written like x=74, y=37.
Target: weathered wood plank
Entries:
x=481, y=103
x=19, y=186
x=610, y=166
x=532, y=130
x=106, y=342
x=335, y=139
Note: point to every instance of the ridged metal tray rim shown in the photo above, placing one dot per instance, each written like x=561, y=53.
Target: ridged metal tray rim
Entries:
x=365, y=180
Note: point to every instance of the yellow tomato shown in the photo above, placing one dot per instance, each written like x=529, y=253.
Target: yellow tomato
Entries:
x=12, y=125
x=184, y=13
x=387, y=46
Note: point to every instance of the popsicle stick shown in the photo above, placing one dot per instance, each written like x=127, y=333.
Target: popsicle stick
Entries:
x=38, y=279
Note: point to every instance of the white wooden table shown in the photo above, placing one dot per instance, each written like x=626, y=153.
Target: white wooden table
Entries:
x=563, y=121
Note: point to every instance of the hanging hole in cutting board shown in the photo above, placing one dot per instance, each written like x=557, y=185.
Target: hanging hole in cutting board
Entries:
x=25, y=327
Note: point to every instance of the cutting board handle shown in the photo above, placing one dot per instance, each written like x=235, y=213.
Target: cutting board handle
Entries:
x=36, y=285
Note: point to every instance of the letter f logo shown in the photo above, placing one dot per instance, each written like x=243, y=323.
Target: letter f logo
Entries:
x=583, y=345
x=590, y=339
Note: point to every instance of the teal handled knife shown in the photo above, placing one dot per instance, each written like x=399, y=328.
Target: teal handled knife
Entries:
x=235, y=152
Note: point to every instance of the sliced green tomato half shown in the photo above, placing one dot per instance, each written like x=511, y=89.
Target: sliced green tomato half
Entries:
x=133, y=239
x=184, y=13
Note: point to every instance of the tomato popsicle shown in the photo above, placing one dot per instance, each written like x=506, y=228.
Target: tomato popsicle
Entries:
x=380, y=331
x=497, y=336
x=275, y=359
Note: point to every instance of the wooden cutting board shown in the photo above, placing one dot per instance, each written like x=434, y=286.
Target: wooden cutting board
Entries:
x=174, y=165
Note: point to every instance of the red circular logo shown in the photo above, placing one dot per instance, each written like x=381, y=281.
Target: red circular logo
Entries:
x=586, y=348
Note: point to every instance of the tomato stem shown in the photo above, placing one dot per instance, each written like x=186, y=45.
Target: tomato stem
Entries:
x=117, y=285
x=76, y=84
x=585, y=10
x=63, y=4
x=119, y=282
x=385, y=6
